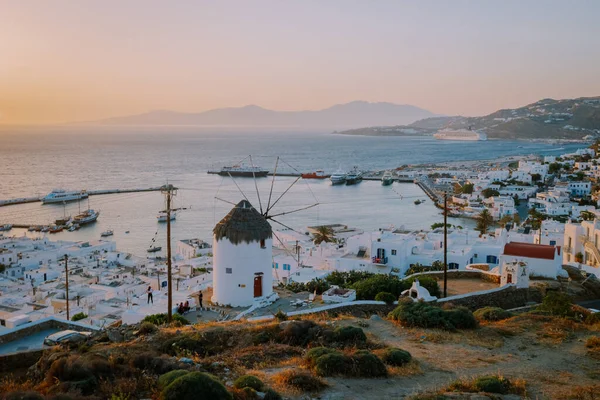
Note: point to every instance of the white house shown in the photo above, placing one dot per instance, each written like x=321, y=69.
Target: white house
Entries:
x=190, y=248
x=242, y=257
x=542, y=260
x=580, y=188
x=501, y=206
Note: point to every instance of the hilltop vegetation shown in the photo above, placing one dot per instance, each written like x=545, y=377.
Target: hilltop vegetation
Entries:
x=419, y=351
x=545, y=119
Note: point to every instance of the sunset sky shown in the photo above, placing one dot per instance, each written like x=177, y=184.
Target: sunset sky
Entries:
x=84, y=60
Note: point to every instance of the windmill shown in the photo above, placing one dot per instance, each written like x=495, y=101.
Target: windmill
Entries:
x=242, y=245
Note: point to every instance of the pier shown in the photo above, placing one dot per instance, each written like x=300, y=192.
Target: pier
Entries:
x=24, y=200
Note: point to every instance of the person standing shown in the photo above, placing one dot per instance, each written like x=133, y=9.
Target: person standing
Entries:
x=149, y=291
x=200, y=300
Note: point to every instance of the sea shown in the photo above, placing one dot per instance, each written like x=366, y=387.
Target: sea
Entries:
x=34, y=162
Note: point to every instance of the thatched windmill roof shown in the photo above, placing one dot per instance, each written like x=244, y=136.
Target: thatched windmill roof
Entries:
x=243, y=224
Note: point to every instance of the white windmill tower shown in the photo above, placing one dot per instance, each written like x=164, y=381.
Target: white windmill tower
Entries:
x=242, y=250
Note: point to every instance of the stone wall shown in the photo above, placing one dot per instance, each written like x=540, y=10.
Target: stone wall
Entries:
x=22, y=331
x=17, y=361
x=509, y=297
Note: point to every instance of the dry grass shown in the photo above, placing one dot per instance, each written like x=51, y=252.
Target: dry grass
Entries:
x=483, y=337
x=437, y=336
x=593, y=345
x=591, y=392
x=409, y=369
x=299, y=381
x=516, y=386
x=10, y=384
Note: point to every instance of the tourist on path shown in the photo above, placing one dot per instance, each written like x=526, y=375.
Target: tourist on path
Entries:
x=149, y=291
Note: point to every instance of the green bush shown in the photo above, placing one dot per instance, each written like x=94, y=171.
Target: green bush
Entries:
x=492, y=384
x=557, y=303
x=318, y=285
x=428, y=282
x=23, y=396
x=301, y=380
x=248, y=381
x=367, y=289
x=461, y=318
x=422, y=315
x=367, y=364
x=161, y=319
x=147, y=328
x=281, y=316
x=396, y=357
x=168, y=378
x=333, y=364
x=79, y=316
x=195, y=385
x=491, y=314
x=313, y=354
x=349, y=334
x=347, y=279
x=386, y=297
x=270, y=394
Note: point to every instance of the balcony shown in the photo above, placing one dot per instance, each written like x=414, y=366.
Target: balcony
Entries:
x=380, y=261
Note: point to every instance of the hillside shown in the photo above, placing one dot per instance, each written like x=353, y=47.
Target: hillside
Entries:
x=341, y=116
x=568, y=119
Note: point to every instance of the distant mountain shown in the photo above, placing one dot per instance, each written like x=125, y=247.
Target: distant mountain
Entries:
x=544, y=119
x=341, y=116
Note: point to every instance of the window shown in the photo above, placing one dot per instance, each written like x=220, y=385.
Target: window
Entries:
x=552, y=242
x=286, y=267
x=491, y=260
x=393, y=252
x=453, y=266
x=228, y=270
x=262, y=244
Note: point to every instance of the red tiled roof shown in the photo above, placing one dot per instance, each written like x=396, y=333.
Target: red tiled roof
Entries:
x=530, y=250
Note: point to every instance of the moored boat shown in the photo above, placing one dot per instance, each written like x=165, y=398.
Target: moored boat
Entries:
x=56, y=228
x=6, y=227
x=242, y=171
x=318, y=174
x=154, y=249
x=162, y=216
x=63, y=196
x=354, y=176
x=338, y=178
x=387, y=178
x=107, y=233
x=86, y=217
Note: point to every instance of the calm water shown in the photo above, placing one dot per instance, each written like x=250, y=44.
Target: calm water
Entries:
x=34, y=163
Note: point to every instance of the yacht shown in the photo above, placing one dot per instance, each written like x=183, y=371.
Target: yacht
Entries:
x=354, y=176
x=162, y=216
x=154, y=249
x=86, y=217
x=56, y=228
x=338, y=178
x=460, y=134
x=74, y=227
x=387, y=179
x=107, y=233
x=63, y=196
x=6, y=227
x=242, y=170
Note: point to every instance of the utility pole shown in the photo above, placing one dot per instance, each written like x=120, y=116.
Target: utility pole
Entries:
x=445, y=243
x=169, y=191
x=67, y=283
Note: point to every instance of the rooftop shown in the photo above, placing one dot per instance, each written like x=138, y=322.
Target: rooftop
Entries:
x=530, y=250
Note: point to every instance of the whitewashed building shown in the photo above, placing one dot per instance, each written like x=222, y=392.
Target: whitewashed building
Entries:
x=542, y=260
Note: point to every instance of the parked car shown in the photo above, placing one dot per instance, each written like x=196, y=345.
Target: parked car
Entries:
x=67, y=336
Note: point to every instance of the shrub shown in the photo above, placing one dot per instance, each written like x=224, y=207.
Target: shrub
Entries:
x=161, y=319
x=461, y=318
x=346, y=279
x=333, y=364
x=367, y=289
x=270, y=394
x=491, y=314
x=557, y=303
x=281, y=316
x=428, y=282
x=168, y=378
x=396, y=357
x=318, y=285
x=349, y=334
x=593, y=342
x=250, y=381
x=149, y=361
x=79, y=316
x=313, y=354
x=298, y=332
x=367, y=364
x=147, y=328
x=79, y=373
x=425, y=315
x=492, y=384
x=195, y=385
x=301, y=380
x=387, y=297
x=421, y=315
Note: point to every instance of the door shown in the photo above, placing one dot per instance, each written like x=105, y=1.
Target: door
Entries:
x=258, y=286
x=509, y=278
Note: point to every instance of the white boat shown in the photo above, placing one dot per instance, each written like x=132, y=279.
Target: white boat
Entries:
x=73, y=227
x=107, y=233
x=242, y=171
x=354, y=176
x=460, y=134
x=338, y=178
x=162, y=216
x=387, y=178
x=63, y=196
